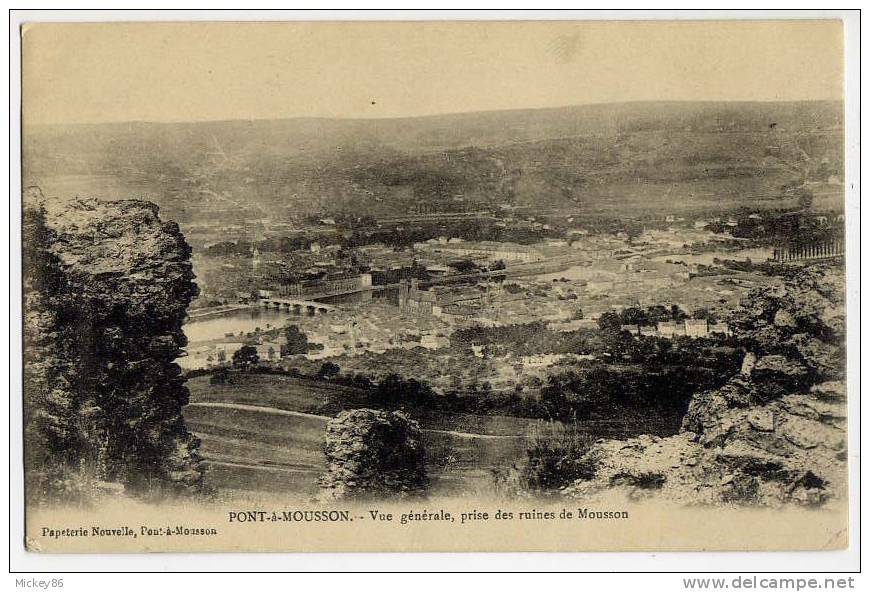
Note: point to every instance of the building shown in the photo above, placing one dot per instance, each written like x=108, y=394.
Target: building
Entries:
x=508, y=252
x=412, y=299
x=458, y=312
x=696, y=327
x=434, y=341
x=540, y=360
x=454, y=302
x=335, y=284
x=268, y=351
x=575, y=325
x=435, y=269
x=666, y=328
x=719, y=328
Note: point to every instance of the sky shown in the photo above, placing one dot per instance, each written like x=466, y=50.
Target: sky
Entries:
x=89, y=73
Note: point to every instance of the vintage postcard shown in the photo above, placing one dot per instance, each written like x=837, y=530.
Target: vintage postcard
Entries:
x=434, y=286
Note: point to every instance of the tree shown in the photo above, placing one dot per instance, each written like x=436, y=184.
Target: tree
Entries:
x=557, y=459
x=574, y=395
x=805, y=199
x=634, y=316
x=633, y=231
x=499, y=266
x=465, y=266
x=658, y=313
x=610, y=321
x=246, y=357
x=704, y=313
x=297, y=342
x=328, y=370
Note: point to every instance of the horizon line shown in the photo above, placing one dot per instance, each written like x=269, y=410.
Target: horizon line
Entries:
x=429, y=115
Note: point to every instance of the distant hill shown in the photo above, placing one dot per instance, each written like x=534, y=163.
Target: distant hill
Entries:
x=626, y=157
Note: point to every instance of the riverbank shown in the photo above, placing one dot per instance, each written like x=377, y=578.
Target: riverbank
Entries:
x=213, y=311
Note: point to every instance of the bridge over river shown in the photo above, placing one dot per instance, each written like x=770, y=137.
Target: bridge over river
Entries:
x=311, y=307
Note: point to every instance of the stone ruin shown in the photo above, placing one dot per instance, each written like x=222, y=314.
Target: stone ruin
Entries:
x=373, y=454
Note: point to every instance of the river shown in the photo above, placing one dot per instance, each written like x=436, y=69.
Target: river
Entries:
x=240, y=321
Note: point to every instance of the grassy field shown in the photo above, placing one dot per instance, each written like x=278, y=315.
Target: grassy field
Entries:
x=270, y=390
x=265, y=433
x=262, y=448
x=257, y=450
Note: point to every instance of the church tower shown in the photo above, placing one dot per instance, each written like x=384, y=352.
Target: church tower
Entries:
x=255, y=261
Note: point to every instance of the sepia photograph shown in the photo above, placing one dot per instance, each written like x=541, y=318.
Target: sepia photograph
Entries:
x=481, y=285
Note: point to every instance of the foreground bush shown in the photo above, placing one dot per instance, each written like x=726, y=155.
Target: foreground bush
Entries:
x=556, y=457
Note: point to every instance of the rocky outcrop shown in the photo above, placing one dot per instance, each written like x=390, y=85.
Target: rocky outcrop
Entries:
x=373, y=454
x=774, y=434
x=120, y=281
x=804, y=319
x=792, y=450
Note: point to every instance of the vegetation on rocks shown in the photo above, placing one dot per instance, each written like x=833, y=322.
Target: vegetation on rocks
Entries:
x=106, y=287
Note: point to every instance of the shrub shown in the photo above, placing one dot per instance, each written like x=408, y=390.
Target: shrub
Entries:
x=219, y=376
x=743, y=489
x=328, y=370
x=648, y=480
x=556, y=458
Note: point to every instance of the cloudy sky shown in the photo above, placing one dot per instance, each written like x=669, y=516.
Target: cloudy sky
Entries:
x=77, y=73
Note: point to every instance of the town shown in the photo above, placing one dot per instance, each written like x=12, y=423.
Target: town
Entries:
x=395, y=307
